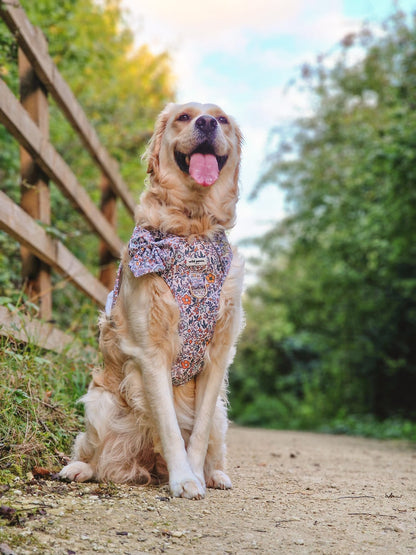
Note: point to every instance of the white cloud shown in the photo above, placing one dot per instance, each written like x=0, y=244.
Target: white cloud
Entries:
x=207, y=20
x=223, y=25
x=327, y=27
x=264, y=42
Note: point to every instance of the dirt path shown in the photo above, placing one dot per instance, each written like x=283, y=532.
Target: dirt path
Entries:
x=293, y=493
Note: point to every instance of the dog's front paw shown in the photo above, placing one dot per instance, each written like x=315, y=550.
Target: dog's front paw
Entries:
x=219, y=480
x=188, y=487
x=77, y=471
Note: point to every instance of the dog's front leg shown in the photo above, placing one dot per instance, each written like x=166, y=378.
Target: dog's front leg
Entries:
x=208, y=386
x=211, y=379
x=152, y=314
x=182, y=480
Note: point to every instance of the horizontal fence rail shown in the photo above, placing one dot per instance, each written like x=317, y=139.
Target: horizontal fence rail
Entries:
x=20, y=125
x=27, y=121
x=24, y=229
x=29, y=39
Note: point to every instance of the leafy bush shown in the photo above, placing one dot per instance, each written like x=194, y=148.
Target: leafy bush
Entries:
x=332, y=319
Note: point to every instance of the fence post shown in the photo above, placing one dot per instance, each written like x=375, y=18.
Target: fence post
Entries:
x=35, y=194
x=108, y=208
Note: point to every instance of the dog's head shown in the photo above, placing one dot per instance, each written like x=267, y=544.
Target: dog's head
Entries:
x=193, y=160
x=195, y=143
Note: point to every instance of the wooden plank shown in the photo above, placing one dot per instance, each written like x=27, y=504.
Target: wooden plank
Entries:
x=24, y=229
x=108, y=208
x=28, y=39
x=29, y=330
x=18, y=122
x=35, y=194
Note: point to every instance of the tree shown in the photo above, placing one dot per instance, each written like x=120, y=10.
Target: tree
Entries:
x=341, y=266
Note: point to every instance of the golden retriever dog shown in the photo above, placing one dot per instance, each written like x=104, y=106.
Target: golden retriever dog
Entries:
x=157, y=410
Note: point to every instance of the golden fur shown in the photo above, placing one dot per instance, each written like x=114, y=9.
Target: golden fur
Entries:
x=140, y=428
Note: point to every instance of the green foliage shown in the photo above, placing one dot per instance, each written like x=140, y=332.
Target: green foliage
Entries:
x=368, y=426
x=38, y=413
x=120, y=87
x=333, y=319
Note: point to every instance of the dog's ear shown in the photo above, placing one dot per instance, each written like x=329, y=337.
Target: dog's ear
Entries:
x=239, y=136
x=240, y=141
x=153, y=148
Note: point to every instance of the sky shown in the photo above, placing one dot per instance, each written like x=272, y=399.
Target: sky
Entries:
x=241, y=56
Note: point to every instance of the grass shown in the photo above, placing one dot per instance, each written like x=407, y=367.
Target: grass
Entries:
x=39, y=415
x=368, y=426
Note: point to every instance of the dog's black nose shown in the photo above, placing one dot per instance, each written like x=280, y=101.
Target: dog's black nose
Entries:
x=206, y=124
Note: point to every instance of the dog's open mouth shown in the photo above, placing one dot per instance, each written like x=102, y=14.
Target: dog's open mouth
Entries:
x=203, y=165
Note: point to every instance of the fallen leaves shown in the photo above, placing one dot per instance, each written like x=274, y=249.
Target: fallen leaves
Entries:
x=18, y=516
x=45, y=473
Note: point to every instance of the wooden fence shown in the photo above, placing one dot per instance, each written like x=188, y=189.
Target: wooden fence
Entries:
x=28, y=121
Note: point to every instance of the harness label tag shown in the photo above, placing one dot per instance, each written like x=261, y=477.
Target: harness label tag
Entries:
x=196, y=261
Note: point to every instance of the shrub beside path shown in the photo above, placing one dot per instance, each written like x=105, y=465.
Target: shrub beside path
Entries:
x=293, y=493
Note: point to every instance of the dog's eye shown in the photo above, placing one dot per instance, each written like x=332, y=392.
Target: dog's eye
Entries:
x=223, y=119
x=184, y=117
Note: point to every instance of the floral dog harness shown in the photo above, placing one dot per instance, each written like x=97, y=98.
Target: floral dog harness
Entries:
x=195, y=272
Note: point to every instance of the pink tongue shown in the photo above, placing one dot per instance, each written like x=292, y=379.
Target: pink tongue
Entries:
x=204, y=169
